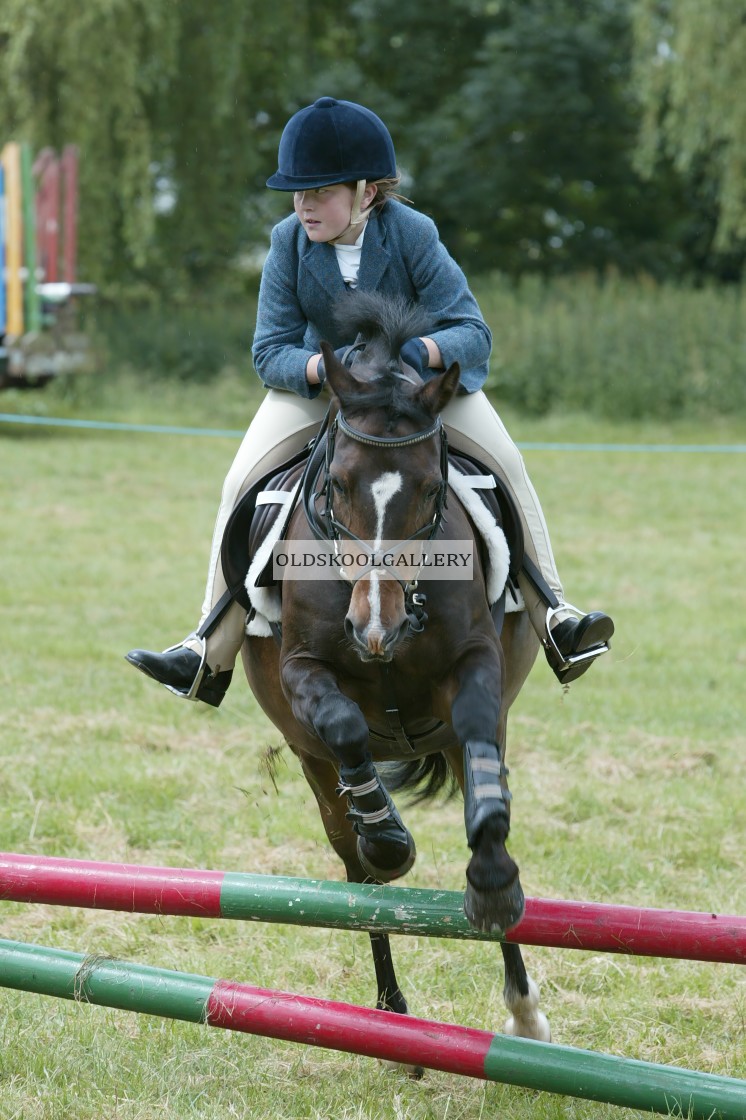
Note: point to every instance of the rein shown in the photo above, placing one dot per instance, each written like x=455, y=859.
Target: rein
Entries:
x=326, y=526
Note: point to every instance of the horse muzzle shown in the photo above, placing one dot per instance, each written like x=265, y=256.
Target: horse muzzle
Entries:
x=374, y=643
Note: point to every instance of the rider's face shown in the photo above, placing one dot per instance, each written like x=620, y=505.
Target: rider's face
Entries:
x=325, y=212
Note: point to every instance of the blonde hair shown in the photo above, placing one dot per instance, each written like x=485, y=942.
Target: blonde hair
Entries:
x=386, y=189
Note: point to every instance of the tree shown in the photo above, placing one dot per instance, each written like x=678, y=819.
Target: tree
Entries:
x=515, y=123
x=175, y=110
x=543, y=126
x=690, y=74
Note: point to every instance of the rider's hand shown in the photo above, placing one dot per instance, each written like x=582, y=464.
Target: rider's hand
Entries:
x=414, y=353
x=345, y=354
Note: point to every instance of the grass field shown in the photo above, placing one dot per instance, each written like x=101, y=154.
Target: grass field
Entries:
x=628, y=789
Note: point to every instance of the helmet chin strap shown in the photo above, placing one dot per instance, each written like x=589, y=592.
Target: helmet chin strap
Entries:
x=356, y=218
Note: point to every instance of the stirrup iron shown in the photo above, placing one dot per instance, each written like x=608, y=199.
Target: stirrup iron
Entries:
x=573, y=658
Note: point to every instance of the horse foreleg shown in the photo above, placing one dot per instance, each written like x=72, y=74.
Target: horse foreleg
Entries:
x=321, y=775
x=385, y=848
x=494, y=897
x=520, y=991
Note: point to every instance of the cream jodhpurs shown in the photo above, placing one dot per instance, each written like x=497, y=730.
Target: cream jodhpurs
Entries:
x=285, y=422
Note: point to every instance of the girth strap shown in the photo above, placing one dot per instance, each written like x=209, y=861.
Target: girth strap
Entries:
x=392, y=712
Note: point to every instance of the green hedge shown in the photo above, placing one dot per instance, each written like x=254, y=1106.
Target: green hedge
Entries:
x=619, y=349
x=182, y=342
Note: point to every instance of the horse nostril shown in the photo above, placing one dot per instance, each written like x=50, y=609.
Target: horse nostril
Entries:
x=396, y=636
x=349, y=628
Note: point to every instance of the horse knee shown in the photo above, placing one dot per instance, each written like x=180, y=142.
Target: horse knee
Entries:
x=340, y=724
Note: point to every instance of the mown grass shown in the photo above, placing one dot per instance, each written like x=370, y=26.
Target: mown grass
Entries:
x=628, y=789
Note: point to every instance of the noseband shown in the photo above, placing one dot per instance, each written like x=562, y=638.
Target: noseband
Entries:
x=326, y=526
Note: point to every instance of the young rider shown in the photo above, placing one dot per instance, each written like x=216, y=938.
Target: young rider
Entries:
x=350, y=229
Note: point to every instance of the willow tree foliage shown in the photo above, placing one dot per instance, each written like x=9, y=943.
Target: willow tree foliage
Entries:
x=171, y=105
x=690, y=65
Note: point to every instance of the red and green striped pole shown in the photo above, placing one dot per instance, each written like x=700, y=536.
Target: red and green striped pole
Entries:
x=597, y=927
x=375, y=1034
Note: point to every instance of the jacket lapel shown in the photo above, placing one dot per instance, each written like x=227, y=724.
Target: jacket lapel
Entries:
x=375, y=257
x=321, y=261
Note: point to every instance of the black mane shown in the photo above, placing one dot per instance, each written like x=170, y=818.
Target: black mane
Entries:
x=384, y=323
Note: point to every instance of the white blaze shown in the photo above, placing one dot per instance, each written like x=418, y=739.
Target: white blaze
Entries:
x=383, y=490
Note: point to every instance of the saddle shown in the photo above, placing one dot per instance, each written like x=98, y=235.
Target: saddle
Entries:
x=269, y=498
x=499, y=503
x=252, y=519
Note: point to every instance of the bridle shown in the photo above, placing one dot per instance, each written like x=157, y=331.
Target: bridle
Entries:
x=326, y=526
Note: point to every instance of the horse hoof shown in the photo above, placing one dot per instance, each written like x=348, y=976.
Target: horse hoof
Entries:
x=537, y=1028
x=386, y=874
x=495, y=912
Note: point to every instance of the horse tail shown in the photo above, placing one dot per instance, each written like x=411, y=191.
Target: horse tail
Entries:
x=374, y=316
x=426, y=776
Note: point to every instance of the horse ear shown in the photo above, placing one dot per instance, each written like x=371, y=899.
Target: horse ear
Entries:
x=337, y=374
x=437, y=392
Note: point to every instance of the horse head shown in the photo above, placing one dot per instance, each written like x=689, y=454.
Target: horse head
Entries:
x=386, y=472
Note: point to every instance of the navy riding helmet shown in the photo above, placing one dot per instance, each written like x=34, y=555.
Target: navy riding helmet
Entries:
x=333, y=142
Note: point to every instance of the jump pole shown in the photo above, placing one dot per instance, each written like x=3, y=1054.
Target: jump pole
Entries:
x=375, y=1034
x=597, y=927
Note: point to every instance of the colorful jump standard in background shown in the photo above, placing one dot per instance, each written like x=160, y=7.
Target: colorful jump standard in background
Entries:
x=2, y=248
x=32, y=193
x=11, y=161
x=375, y=1034
x=384, y=909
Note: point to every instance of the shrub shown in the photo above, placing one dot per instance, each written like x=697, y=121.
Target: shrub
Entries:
x=617, y=348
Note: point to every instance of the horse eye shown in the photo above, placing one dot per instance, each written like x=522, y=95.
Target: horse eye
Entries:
x=337, y=486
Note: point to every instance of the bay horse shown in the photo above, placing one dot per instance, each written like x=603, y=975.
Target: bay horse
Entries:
x=364, y=676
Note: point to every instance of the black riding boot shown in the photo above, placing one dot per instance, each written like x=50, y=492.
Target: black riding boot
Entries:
x=574, y=644
x=184, y=672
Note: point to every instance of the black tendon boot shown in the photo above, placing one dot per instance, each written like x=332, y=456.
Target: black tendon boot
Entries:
x=494, y=896
x=385, y=847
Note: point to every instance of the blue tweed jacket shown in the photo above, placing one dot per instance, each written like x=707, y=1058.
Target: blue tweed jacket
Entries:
x=402, y=255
